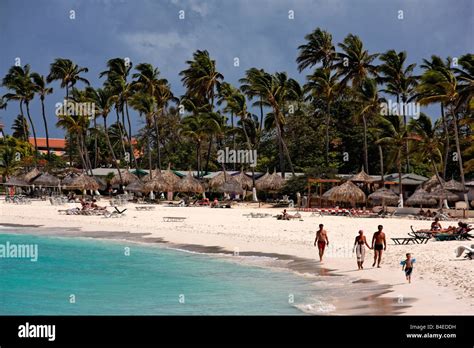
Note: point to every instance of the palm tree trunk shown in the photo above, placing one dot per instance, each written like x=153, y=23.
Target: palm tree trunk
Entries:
x=407, y=158
x=96, y=147
x=458, y=150
x=198, y=155
x=233, y=134
x=119, y=124
x=70, y=135
x=81, y=154
x=132, y=153
x=261, y=113
x=250, y=149
x=45, y=129
x=327, y=134
x=158, y=152
x=32, y=129
x=399, y=165
x=208, y=157
x=111, y=149
x=366, y=155
x=25, y=130
x=446, y=140
x=382, y=179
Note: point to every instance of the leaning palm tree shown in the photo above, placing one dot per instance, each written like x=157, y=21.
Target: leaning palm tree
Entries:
x=400, y=82
x=42, y=90
x=443, y=86
x=250, y=88
x=18, y=81
x=318, y=49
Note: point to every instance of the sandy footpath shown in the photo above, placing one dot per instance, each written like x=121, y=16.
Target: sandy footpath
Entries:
x=442, y=283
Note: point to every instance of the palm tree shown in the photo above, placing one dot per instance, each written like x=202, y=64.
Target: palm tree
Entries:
x=369, y=108
x=8, y=162
x=394, y=141
x=437, y=63
x=69, y=73
x=400, y=82
x=442, y=85
x=103, y=100
x=323, y=85
x=354, y=63
x=20, y=128
x=250, y=89
x=318, y=49
x=117, y=75
x=428, y=142
x=42, y=90
x=75, y=125
x=193, y=127
x=201, y=80
x=18, y=80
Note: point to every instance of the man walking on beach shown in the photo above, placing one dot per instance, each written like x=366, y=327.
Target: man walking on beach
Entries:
x=322, y=240
x=378, y=244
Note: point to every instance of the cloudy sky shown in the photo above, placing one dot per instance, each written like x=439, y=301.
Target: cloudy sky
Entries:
x=258, y=32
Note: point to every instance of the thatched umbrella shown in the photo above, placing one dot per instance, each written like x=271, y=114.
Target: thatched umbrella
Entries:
x=136, y=186
x=158, y=183
x=244, y=180
x=347, y=192
x=384, y=196
x=361, y=177
x=81, y=182
x=69, y=178
x=127, y=178
x=439, y=193
x=453, y=185
x=189, y=184
x=170, y=177
x=46, y=180
x=432, y=182
x=101, y=182
x=16, y=181
x=420, y=197
x=151, y=175
x=224, y=182
x=31, y=175
x=270, y=182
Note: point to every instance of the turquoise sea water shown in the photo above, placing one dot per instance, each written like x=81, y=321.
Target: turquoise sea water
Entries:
x=150, y=281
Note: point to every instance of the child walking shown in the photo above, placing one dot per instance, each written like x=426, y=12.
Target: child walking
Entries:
x=408, y=266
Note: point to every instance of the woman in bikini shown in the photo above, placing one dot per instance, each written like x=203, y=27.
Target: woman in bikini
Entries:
x=359, y=246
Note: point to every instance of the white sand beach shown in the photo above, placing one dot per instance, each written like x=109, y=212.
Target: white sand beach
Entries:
x=441, y=283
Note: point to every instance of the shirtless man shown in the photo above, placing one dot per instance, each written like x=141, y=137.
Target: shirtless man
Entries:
x=378, y=244
x=322, y=240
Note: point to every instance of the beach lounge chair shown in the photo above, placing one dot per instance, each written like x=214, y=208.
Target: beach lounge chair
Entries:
x=469, y=251
x=173, y=218
x=410, y=240
x=146, y=208
x=116, y=213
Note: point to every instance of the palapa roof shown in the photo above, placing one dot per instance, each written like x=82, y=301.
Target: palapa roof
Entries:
x=158, y=183
x=384, y=195
x=16, y=181
x=81, y=182
x=244, y=180
x=361, y=177
x=189, y=184
x=226, y=183
x=432, y=182
x=270, y=182
x=46, y=179
x=170, y=177
x=420, y=197
x=32, y=174
x=153, y=173
x=136, y=186
x=347, y=192
x=127, y=178
x=453, y=185
x=230, y=187
x=439, y=193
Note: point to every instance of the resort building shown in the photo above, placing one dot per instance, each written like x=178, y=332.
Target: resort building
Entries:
x=57, y=145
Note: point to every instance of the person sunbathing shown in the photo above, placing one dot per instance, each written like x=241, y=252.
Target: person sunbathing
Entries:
x=93, y=205
x=435, y=225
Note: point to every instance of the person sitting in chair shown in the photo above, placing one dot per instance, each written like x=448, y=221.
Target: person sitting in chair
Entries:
x=435, y=225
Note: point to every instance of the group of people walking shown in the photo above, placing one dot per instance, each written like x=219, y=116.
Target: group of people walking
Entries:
x=379, y=244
